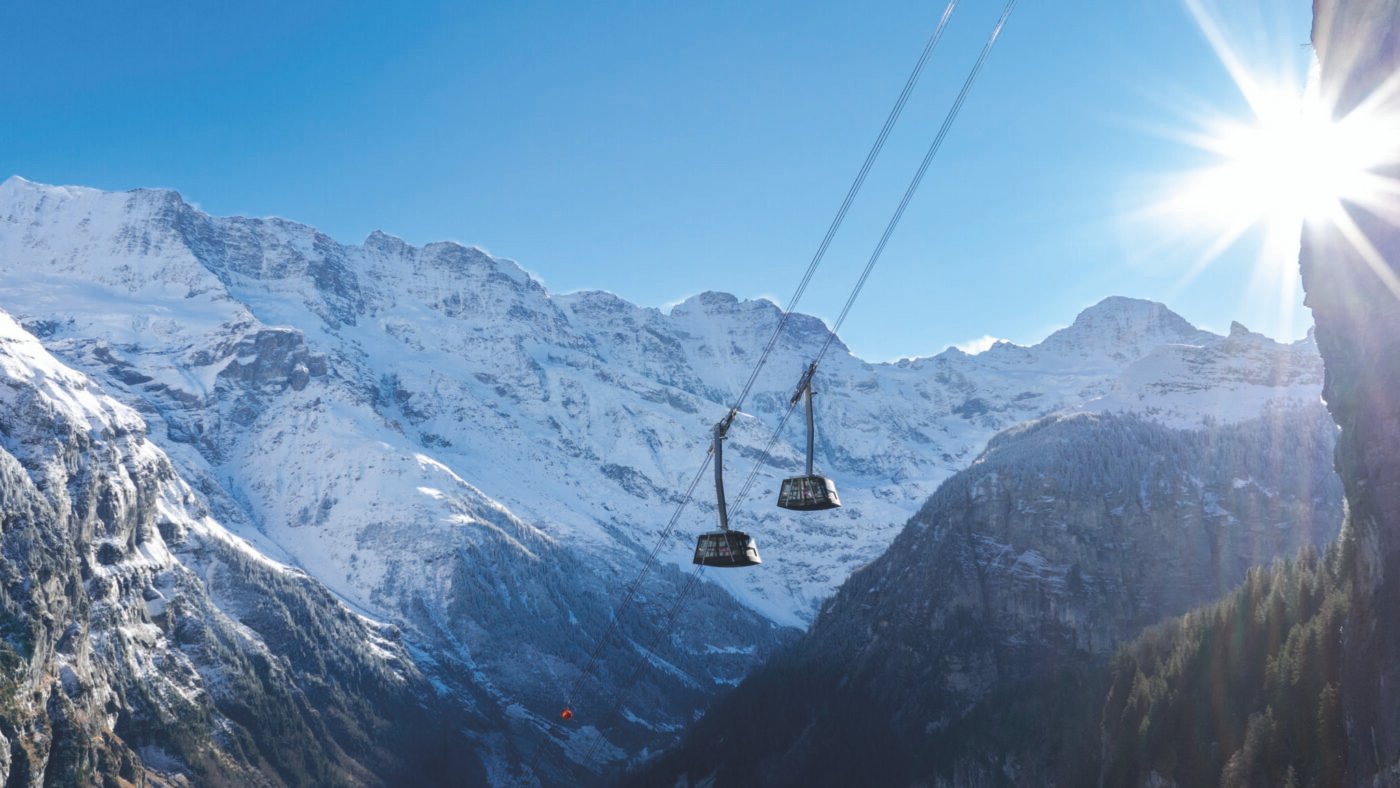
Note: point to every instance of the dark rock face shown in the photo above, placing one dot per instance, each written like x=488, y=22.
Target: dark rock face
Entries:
x=277, y=356
x=1355, y=294
x=998, y=605
x=141, y=644
x=239, y=250
x=1355, y=300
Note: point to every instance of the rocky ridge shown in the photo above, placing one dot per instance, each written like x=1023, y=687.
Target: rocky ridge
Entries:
x=1351, y=288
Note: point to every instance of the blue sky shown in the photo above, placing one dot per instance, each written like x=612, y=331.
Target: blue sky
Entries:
x=661, y=149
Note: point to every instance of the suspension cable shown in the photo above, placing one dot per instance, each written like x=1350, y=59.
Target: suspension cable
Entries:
x=796, y=298
x=763, y=456
x=636, y=583
x=884, y=239
x=671, y=617
x=840, y=217
x=919, y=175
x=835, y=225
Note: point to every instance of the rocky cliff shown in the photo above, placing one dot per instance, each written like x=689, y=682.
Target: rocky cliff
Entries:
x=972, y=651
x=143, y=644
x=1351, y=272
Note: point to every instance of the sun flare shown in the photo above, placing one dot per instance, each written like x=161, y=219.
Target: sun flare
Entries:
x=1290, y=159
x=1290, y=163
x=1280, y=168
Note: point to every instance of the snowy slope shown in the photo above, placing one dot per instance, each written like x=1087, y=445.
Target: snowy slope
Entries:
x=579, y=412
x=390, y=417
x=138, y=633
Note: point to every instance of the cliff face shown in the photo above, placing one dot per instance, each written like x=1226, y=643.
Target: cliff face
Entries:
x=1353, y=286
x=971, y=652
x=142, y=644
x=1352, y=279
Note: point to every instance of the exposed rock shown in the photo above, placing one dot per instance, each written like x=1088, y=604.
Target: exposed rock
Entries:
x=141, y=642
x=1354, y=293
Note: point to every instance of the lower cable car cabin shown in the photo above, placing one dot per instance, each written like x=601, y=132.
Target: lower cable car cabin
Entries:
x=808, y=494
x=726, y=548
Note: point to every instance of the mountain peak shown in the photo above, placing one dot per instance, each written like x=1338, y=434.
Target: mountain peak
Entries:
x=707, y=301
x=19, y=185
x=1136, y=310
x=462, y=258
x=385, y=242
x=596, y=300
x=1240, y=333
x=716, y=302
x=1123, y=327
x=156, y=192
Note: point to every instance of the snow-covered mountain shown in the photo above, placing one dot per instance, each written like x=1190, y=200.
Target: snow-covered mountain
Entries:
x=141, y=643
x=444, y=443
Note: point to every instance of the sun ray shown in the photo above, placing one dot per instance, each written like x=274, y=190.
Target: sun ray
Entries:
x=1234, y=65
x=1224, y=240
x=1290, y=158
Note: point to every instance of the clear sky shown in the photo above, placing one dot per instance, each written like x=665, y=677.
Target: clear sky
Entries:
x=661, y=149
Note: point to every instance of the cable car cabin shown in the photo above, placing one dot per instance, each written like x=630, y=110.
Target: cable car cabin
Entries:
x=808, y=494
x=726, y=548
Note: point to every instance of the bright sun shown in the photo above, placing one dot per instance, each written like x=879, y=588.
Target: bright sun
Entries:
x=1281, y=168
x=1290, y=161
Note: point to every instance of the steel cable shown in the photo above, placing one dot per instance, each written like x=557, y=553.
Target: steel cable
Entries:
x=851, y=193
x=889, y=231
x=793, y=302
x=817, y=258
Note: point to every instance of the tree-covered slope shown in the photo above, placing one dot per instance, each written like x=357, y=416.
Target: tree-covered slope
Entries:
x=1245, y=692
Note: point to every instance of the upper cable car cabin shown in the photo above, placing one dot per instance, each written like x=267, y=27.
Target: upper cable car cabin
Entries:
x=810, y=492
x=726, y=548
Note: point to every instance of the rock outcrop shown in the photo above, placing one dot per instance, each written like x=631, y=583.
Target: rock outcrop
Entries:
x=1351, y=272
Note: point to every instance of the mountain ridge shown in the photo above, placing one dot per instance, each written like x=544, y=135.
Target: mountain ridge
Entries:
x=351, y=409
x=1106, y=310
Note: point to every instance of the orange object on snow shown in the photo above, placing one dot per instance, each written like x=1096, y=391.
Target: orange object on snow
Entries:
x=567, y=714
